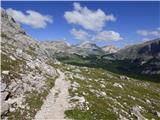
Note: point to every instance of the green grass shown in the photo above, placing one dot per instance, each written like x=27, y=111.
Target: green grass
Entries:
x=51, y=82
x=101, y=107
x=32, y=53
x=92, y=114
x=8, y=64
x=35, y=101
x=98, y=107
x=16, y=115
x=3, y=35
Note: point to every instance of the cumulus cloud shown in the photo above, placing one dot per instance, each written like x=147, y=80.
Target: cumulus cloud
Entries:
x=145, y=39
x=108, y=35
x=88, y=19
x=100, y=36
x=146, y=33
x=142, y=32
x=80, y=34
x=31, y=18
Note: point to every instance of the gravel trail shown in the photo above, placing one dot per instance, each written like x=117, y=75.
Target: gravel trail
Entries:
x=56, y=102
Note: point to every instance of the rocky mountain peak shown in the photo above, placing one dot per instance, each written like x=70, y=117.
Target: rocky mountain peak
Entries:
x=60, y=42
x=88, y=45
x=110, y=48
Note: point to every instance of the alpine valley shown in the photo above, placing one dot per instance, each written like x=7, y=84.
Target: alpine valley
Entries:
x=54, y=80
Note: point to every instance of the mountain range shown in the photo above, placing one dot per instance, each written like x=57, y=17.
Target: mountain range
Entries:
x=53, y=79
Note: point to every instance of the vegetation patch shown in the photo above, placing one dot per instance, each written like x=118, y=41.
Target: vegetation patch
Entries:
x=8, y=64
x=114, y=101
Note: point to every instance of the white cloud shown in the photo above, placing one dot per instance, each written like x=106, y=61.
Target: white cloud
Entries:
x=145, y=39
x=32, y=18
x=108, y=35
x=154, y=33
x=88, y=19
x=80, y=34
x=100, y=36
x=142, y=32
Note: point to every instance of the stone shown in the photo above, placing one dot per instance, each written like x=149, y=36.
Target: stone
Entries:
x=18, y=101
x=117, y=85
x=136, y=112
x=103, y=86
x=3, y=87
x=75, y=85
x=11, y=109
x=158, y=114
x=4, y=105
x=4, y=95
x=19, y=51
x=12, y=58
x=4, y=108
x=124, y=77
x=6, y=72
x=103, y=93
x=132, y=97
x=80, y=99
x=122, y=117
x=148, y=101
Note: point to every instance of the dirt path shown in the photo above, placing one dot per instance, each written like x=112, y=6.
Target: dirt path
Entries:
x=56, y=102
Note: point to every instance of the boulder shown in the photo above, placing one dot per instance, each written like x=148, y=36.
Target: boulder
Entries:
x=12, y=58
x=4, y=95
x=6, y=72
x=157, y=113
x=3, y=87
x=124, y=77
x=136, y=112
x=4, y=105
x=117, y=85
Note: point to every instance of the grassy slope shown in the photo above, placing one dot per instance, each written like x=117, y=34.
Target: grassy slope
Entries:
x=125, y=67
x=117, y=101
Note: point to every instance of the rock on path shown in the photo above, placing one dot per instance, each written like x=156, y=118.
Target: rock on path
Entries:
x=56, y=102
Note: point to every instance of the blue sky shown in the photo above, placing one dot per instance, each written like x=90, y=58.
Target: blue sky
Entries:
x=134, y=21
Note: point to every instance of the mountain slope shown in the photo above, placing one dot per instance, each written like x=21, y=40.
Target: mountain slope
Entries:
x=145, y=55
x=146, y=51
x=26, y=75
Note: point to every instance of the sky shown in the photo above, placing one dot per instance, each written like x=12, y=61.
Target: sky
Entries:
x=104, y=23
